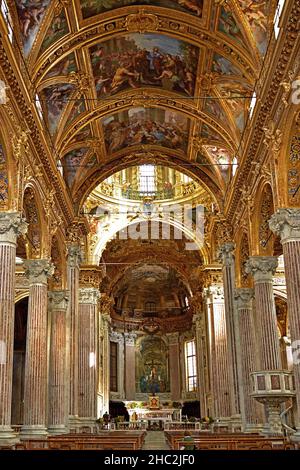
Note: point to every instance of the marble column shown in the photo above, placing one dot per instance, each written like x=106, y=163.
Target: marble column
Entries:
x=87, y=355
x=174, y=364
x=11, y=225
x=105, y=318
x=36, y=362
x=199, y=321
x=252, y=409
x=74, y=259
x=263, y=268
x=58, y=411
x=130, y=366
x=219, y=358
x=226, y=253
x=286, y=223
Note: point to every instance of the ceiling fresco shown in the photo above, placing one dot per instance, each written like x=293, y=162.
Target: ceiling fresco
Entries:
x=139, y=60
x=140, y=126
x=123, y=77
x=95, y=7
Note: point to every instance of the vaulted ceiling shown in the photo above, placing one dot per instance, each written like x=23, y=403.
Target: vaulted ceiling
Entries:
x=122, y=82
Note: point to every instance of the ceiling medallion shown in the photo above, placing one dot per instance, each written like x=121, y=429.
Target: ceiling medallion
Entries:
x=151, y=327
x=142, y=22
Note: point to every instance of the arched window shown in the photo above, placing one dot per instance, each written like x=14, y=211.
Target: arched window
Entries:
x=191, y=366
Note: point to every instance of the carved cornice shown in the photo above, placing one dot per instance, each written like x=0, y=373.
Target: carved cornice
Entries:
x=268, y=104
x=262, y=268
x=12, y=224
x=243, y=297
x=38, y=270
x=286, y=224
x=59, y=300
x=90, y=276
x=106, y=304
x=35, y=137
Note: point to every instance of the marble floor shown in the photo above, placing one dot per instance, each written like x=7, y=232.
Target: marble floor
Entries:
x=155, y=440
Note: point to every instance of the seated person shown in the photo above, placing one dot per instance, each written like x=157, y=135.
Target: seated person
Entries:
x=188, y=442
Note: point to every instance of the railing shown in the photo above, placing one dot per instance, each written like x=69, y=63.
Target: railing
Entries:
x=288, y=430
x=180, y=425
x=140, y=195
x=129, y=425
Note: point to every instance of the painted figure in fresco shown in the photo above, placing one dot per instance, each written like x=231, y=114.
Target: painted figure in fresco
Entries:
x=145, y=127
x=254, y=10
x=192, y=5
x=135, y=62
x=94, y=7
x=30, y=14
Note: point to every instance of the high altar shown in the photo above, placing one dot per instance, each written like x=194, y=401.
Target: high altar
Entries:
x=154, y=414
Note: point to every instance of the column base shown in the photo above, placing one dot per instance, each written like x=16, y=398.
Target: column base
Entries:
x=57, y=429
x=86, y=425
x=33, y=431
x=236, y=423
x=253, y=428
x=8, y=438
x=73, y=424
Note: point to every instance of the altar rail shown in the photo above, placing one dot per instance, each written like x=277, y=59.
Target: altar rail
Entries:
x=129, y=425
x=178, y=425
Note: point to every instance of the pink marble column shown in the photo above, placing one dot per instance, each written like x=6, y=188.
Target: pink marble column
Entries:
x=219, y=351
x=35, y=389
x=286, y=223
x=11, y=225
x=58, y=412
x=199, y=321
x=174, y=364
x=105, y=321
x=253, y=410
x=226, y=253
x=130, y=366
x=263, y=268
x=74, y=259
x=88, y=355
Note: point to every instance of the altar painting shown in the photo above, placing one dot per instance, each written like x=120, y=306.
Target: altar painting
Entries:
x=152, y=369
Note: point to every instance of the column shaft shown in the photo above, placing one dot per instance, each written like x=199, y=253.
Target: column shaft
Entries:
x=130, y=366
x=263, y=267
x=11, y=224
x=174, y=363
x=253, y=410
x=57, y=371
x=88, y=371
x=73, y=286
x=36, y=362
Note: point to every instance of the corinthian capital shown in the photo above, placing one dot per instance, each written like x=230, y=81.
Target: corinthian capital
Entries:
x=74, y=256
x=226, y=253
x=38, y=270
x=88, y=295
x=58, y=299
x=262, y=268
x=12, y=224
x=243, y=297
x=286, y=223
